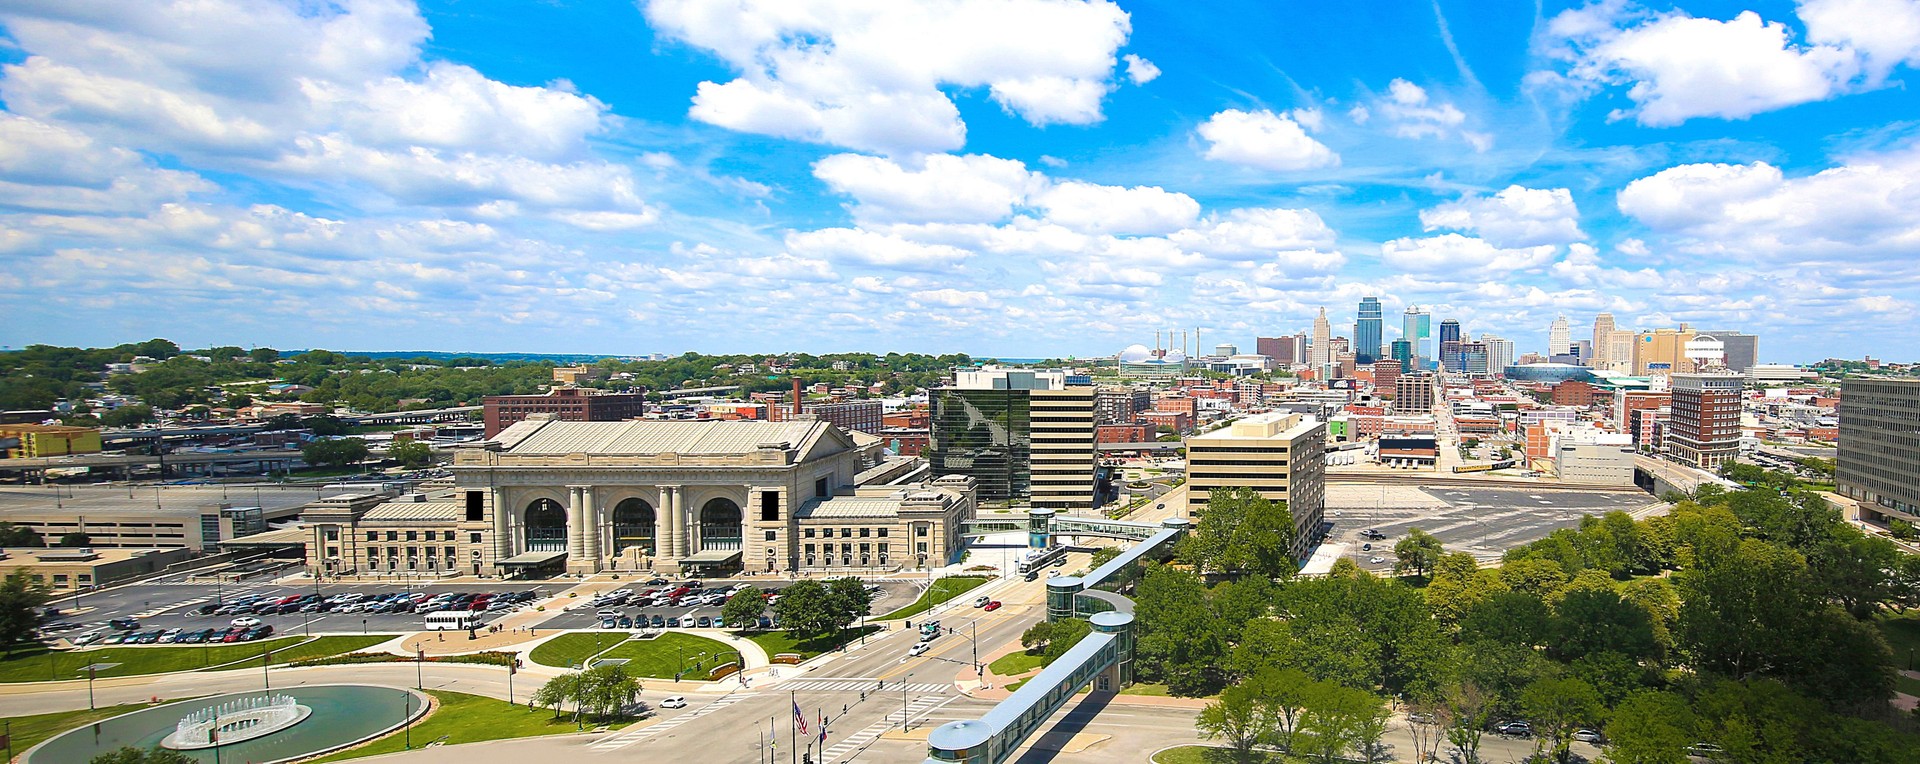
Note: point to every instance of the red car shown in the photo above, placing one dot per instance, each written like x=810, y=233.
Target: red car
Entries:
x=992, y=606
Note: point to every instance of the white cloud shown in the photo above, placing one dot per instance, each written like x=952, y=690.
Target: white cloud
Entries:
x=1517, y=216
x=1680, y=67
x=1453, y=252
x=938, y=188
x=1140, y=70
x=875, y=249
x=609, y=221
x=1412, y=113
x=1582, y=266
x=1861, y=209
x=870, y=75
x=50, y=167
x=1265, y=140
x=1253, y=234
x=1092, y=208
x=1884, y=33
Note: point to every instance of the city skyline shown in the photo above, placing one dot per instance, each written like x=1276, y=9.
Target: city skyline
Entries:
x=1051, y=179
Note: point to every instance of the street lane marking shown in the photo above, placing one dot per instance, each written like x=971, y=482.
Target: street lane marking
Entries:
x=630, y=737
x=916, y=710
x=860, y=685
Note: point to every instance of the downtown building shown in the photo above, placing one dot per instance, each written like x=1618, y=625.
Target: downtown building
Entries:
x=1367, y=332
x=567, y=404
x=1280, y=456
x=1021, y=435
x=1704, y=430
x=1879, y=460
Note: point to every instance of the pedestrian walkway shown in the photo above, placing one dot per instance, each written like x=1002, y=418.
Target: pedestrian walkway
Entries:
x=914, y=711
x=630, y=737
x=826, y=684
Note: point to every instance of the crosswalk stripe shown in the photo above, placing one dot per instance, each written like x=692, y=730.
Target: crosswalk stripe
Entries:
x=630, y=737
x=828, y=685
x=917, y=709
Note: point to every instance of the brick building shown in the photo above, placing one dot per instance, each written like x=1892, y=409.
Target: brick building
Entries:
x=1123, y=433
x=567, y=404
x=1573, y=392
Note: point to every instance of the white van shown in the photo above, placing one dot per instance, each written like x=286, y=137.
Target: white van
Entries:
x=454, y=620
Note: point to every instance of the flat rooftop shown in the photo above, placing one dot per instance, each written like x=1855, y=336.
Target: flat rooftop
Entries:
x=156, y=500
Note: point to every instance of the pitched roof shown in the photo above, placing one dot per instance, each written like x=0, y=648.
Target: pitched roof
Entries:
x=648, y=437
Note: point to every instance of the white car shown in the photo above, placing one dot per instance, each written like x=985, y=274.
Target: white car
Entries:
x=87, y=638
x=677, y=701
x=918, y=650
x=244, y=622
x=1376, y=559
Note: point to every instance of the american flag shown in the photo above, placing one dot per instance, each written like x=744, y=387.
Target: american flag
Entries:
x=799, y=718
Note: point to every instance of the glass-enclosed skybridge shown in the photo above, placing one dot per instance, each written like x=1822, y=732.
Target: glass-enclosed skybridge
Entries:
x=1103, y=660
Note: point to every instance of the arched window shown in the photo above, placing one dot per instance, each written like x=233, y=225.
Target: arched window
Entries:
x=633, y=526
x=720, y=525
x=546, y=525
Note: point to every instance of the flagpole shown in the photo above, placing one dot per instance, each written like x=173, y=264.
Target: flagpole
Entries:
x=793, y=734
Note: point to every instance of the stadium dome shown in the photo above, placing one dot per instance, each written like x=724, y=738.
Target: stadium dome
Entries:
x=1176, y=356
x=1136, y=353
x=1549, y=372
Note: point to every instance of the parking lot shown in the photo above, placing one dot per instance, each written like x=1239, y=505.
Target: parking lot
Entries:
x=175, y=604
x=1483, y=522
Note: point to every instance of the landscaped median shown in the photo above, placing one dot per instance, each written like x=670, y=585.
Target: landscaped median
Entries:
x=786, y=642
x=665, y=656
x=1207, y=754
x=942, y=590
x=40, y=664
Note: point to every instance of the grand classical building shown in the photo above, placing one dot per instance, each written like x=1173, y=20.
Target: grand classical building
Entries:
x=665, y=496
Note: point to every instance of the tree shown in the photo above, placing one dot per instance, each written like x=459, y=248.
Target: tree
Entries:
x=19, y=536
x=1241, y=718
x=847, y=600
x=1513, y=618
x=558, y=691
x=21, y=595
x=1055, y=638
x=1417, y=553
x=744, y=608
x=1458, y=585
x=805, y=608
x=1338, y=718
x=1467, y=710
x=335, y=453
x=1587, y=622
x=1650, y=728
x=128, y=416
x=1242, y=533
x=132, y=755
x=1558, y=708
x=1286, y=693
x=1180, y=639
x=411, y=454
x=1103, y=555
x=325, y=425
x=604, y=691
x=75, y=539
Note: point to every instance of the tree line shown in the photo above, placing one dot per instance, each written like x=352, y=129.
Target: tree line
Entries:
x=1742, y=618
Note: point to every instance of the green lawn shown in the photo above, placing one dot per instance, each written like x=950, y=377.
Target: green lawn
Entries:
x=776, y=642
x=568, y=650
x=941, y=591
x=464, y=718
x=673, y=651
x=1015, y=664
x=1206, y=754
x=28, y=731
x=1903, y=635
x=39, y=664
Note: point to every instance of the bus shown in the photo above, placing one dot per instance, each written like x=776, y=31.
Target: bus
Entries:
x=454, y=620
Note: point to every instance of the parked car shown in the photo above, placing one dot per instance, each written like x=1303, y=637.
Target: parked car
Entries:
x=88, y=638
x=124, y=624
x=677, y=701
x=1588, y=736
x=245, y=621
x=1515, y=729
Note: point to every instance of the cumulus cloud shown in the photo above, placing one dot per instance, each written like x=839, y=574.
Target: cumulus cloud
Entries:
x=870, y=76
x=49, y=167
x=1265, y=140
x=939, y=188
x=1093, y=208
x=1410, y=112
x=872, y=248
x=1678, y=67
x=1454, y=252
x=1140, y=70
x=1516, y=216
x=1861, y=209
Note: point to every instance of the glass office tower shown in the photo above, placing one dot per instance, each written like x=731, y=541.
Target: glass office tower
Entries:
x=985, y=434
x=1367, y=332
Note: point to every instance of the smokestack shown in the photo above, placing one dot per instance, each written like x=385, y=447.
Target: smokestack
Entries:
x=796, y=397
x=1196, y=341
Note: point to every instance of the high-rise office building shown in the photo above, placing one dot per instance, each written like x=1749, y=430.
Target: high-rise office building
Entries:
x=1386, y=372
x=1020, y=434
x=1499, y=353
x=1662, y=351
x=1742, y=350
x=1367, y=328
x=1285, y=351
x=1705, y=428
x=1403, y=352
x=1416, y=326
x=1413, y=393
x=1280, y=456
x=1450, y=345
x=1602, y=341
x=1322, y=347
x=1880, y=446
x=1474, y=361
x=1559, y=338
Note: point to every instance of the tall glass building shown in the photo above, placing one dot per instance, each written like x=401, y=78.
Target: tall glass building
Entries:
x=1416, y=326
x=1366, y=332
x=1450, y=345
x=1021, y=435
x=1403, y=352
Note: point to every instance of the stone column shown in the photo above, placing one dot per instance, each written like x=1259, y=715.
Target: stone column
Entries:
x=502, y=531
x=576, y=536
x=590, y=527
x=691, y=516
x=668, y=536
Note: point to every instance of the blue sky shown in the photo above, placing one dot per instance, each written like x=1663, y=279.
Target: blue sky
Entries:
x=1010, y=177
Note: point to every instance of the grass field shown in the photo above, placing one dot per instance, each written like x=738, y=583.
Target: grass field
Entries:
x=39, y=664
x=568, y=650
x=1015, y=664
x=776, y=642
x=464, y=718
x=1206, y=754
x=941, y=591
x=28, y=731
x=673, y=651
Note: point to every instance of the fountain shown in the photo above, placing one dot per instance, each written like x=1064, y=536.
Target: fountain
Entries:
x=235, y=721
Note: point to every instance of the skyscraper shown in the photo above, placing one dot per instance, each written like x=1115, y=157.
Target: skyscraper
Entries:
x=1602, y=341
x=1416, y=326
x=1705, y=429
x=1403, y=352
x=1743, y=350
x=1322, y=347
x=1450, y=345
x=1499, y=353
x=1366, y=332
x=1559, y=338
